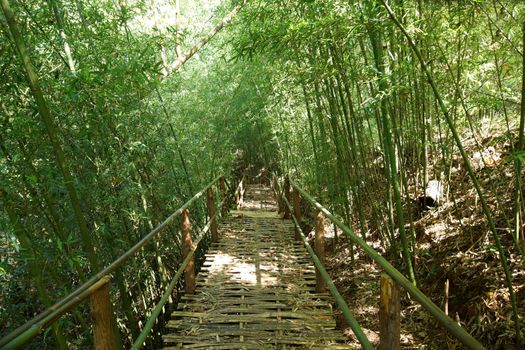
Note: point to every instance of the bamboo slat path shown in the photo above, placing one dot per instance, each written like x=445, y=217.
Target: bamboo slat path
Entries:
x=256, y=289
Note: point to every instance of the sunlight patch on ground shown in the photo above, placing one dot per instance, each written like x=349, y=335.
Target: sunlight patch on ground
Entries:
x=243, y=272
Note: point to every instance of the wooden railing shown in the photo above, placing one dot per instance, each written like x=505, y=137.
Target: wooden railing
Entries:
x=96, y=289
x=391, y=280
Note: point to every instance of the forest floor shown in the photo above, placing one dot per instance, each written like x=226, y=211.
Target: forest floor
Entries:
x=454, y=247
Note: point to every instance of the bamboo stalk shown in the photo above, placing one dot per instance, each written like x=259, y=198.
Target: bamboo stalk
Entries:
x=379, y=59
x=470, y=170
x=519, y=203
x=297, y=212
x=52, y=133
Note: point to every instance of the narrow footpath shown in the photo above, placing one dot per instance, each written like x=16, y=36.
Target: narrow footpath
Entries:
x=256, y=289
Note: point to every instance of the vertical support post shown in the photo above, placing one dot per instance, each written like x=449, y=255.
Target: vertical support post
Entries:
x=101, y=314
x=240, y=193
x=211, y=215
x=319, y=250
x=189, y=272
x=278, y=198
x=287, y=195
x=243, y=188
x=222, y=188
x=297, y=212
x=389, y=315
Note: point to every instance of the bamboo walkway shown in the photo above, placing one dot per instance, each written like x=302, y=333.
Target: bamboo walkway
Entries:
x=256, y=289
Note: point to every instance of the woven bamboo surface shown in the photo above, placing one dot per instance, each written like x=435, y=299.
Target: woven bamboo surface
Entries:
x=256, y=289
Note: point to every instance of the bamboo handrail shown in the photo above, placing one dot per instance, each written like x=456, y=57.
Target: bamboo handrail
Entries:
x=462, y=335
x=341, y=303
x=139, y=342
x=36, y=325
x=40, y=326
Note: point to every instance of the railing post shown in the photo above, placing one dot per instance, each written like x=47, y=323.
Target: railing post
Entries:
x=319, y=251
x=389, y=314
x=211, y=215
x=277, y=192
x=222, y=188
x=101, y=314
x=189, y=272
x=287, y=195
x=243, y=188
x=239, y=196
x=297, y=212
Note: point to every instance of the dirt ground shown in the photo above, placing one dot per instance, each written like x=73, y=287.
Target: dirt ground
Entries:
x=454, y=247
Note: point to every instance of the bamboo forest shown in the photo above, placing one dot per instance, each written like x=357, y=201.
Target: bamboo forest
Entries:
x=262, y=174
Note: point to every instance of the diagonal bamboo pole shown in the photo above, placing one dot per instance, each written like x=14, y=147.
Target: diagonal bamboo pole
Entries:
x=175, y=66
